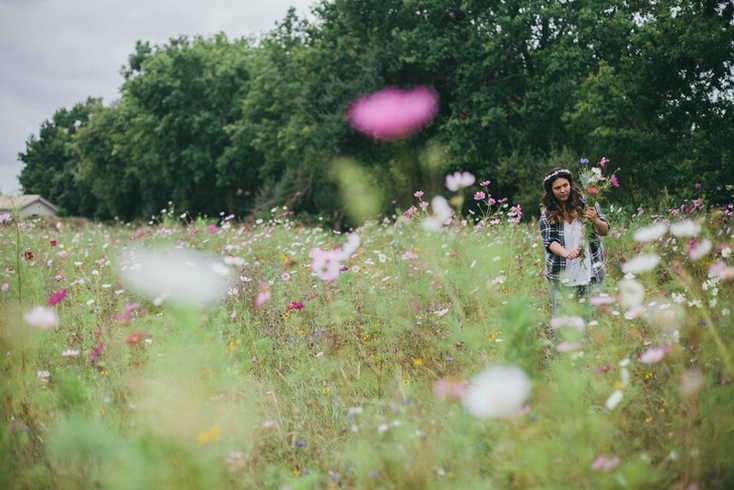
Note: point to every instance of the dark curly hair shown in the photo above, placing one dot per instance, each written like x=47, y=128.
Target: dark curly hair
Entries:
x=555, y=210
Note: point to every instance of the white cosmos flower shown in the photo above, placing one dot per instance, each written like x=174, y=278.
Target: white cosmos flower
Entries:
x=685, y=228
x=641, y=263
x=42, y=317
x=498, y=391
x=441, y=212
x=700, y=249
x=651, y=233
x=180, y=276
x=631, y=293
x=614, y=399
x=459, y=180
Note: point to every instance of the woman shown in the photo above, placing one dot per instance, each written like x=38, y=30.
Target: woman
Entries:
x=574, y=259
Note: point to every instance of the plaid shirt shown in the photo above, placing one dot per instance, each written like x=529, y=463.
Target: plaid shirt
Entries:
x=555, y=265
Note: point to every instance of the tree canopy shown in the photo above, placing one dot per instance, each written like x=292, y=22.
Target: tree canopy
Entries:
x=217, y=125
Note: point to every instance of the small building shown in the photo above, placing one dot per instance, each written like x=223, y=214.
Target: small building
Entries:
x=27, y=205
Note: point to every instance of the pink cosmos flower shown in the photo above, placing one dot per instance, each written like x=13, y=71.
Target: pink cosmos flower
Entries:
x=393, y=113
x=602, y=300
x=409, y=255
x=410, y=212
x=325, y=264
x=263, y=296
x=614, y=180
x=479, y=196
x=484, y=183
x=568, y=346
x=654, y=354
x=446, y=388
x=605, y=463
x=418, y=194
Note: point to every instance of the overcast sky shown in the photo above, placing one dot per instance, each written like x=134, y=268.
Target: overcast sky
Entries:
x=55, y=53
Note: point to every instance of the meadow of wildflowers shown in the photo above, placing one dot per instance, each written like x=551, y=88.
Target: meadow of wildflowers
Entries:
x=414, y=352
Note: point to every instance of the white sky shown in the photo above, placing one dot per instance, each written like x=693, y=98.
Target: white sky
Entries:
x=55, y=53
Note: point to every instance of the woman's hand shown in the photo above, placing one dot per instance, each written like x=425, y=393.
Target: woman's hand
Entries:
x=571, y=254
x=601, y=227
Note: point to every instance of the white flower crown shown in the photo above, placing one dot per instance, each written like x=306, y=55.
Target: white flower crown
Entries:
x=557, y=172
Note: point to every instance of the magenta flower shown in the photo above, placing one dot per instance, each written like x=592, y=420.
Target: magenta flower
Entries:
x=479, y=196
x=295, y=305
x=96, y=351
x=393, y=113
x=418, y=194
x=484, y=183
x=127, y=316
x=57, y=297
x=613, y=179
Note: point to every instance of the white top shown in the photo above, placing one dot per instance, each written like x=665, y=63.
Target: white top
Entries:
x=578, y=271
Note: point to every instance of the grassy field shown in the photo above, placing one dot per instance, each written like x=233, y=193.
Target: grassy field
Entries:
x=192, y=353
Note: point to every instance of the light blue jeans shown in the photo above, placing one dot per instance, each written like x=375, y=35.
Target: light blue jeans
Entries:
x=559, y=294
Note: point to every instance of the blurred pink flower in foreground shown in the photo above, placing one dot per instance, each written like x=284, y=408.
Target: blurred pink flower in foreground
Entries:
x=393, y=113
x=41, y=317
x=327, y=263
x=605, y=463
x=446, y=388
x=127, y=316
x=654, y=354
x=263, y=296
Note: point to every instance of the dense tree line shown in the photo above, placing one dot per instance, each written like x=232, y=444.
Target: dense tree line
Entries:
x=218, y=125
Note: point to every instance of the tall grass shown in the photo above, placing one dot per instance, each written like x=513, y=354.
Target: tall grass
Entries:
x=339, y=394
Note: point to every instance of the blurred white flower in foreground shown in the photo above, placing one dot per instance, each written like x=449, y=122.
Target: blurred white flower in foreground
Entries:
x=441, y=212
x=685, y=228
x=614, y=399
x=498, y=391
x=180, y=276
x=42, y=317
x=700, y=249
x=650, y=233
x=641, y=263
x=459, y=180
x=631, y=293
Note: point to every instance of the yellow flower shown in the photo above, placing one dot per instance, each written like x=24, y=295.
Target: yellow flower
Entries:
x=286, y=314
x=417, y=362
x=618, y=385
x=325, y=391
x=406, y=382
x=212, y=434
